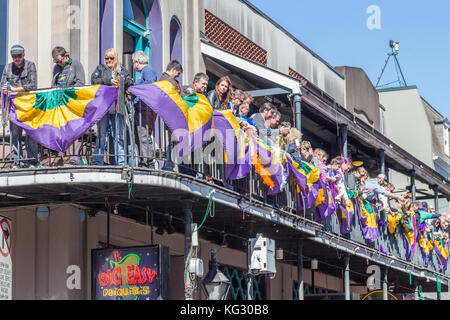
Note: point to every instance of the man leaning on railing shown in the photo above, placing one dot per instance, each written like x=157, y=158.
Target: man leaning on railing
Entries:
x=144, y=118
x=20, y=76
x=68, y=73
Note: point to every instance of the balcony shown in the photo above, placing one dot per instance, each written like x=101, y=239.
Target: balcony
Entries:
x=167, y=188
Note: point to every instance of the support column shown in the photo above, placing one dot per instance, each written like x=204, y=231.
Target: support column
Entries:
x=436, y=198
x=300, y=286
x=385, y=284
x=298, y=111
x=413, y=185
x=382, y=162
x=344, y=130
x=187, y=208
x=347, y=276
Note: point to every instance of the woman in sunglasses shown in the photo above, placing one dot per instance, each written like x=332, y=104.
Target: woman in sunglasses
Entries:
x=109, y=74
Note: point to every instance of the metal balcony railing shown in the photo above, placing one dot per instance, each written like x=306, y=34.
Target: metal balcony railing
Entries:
x=147, y=144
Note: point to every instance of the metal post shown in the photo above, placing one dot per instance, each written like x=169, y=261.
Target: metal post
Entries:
x=298, y=111
x=385, y=284
x=436, y=198
x=300, y=286
x=187, y=208
x=344, y=129
x=347, y=276
x=382, y=162
x=413, y=185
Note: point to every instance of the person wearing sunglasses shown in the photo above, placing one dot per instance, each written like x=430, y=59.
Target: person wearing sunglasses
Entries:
x=67, y=72
x=111, y=127
x=20, y=76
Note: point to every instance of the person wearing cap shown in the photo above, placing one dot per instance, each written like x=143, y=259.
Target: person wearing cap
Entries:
x=375, y=186
x=20, y=76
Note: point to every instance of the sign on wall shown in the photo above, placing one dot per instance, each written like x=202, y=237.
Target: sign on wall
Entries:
x=136, y=273
x=5, y=259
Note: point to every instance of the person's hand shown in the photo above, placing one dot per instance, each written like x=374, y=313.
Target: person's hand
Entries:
x=338, y=176
x=284, y=131
x=190, y=90
x=115, y=82
x=4, y=88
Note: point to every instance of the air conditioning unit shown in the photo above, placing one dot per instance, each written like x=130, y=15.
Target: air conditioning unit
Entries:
x=261, y=256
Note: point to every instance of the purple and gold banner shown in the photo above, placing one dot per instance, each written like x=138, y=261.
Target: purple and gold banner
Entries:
x=56, y=118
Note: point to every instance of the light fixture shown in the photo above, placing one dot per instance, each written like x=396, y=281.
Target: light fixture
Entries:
x=224, y=243
x=314, y=264
x=160, y=230
x=169, y=227
x=279, y=254
x=215, y=284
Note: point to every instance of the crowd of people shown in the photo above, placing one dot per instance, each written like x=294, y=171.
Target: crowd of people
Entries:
x=339, y=172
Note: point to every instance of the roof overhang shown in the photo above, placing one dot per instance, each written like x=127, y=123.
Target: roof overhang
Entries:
x=256, y=69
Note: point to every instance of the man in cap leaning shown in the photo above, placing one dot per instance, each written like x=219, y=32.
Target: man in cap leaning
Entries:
x=20, y=76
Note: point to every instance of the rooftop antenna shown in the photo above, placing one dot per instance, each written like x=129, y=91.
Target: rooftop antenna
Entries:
x=395, y=47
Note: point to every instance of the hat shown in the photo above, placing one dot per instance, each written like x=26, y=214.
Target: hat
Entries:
x=358, y=163
x=17, y=49
x=382, y=176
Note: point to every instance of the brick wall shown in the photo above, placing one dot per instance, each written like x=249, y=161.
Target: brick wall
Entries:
x=229, y=39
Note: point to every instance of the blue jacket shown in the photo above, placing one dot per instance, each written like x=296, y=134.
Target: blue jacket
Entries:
x=147, y=76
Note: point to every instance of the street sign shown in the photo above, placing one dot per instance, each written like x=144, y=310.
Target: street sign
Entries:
x=5, y=259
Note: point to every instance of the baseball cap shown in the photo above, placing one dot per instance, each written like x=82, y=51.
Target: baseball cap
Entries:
x=17, y=49
x=382, y=176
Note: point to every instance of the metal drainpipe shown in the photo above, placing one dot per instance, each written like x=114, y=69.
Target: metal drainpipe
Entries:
x=436, y=198
x=298, y=111
x=300, y=286
x=187, y=208
x=413, y=185
x=382, y=162
x=347, y=276
x=385, y=284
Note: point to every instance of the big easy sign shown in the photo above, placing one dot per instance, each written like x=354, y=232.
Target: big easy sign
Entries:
x=136, y=273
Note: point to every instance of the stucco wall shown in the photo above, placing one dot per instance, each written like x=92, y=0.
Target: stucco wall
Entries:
x=407, y=124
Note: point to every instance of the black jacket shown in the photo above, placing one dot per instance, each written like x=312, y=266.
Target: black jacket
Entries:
x=214, y=100
x=103, y=75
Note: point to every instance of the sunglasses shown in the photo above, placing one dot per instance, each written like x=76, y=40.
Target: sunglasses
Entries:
x=109, y=58
x=17, y=56
x=58, y=61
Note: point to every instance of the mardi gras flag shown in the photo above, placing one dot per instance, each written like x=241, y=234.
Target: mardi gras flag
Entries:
x=441, y=252
x=189, y=118
x=347, y=212
x=237, y=151
x=409, y=235
x=270, y=165
x=56, y=118
x=426, y=246
x=325, y=206
x=308, y=189
x=367, y=219
x=393, y=221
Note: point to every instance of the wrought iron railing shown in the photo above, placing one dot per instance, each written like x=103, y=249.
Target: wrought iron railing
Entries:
x=147, y=144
